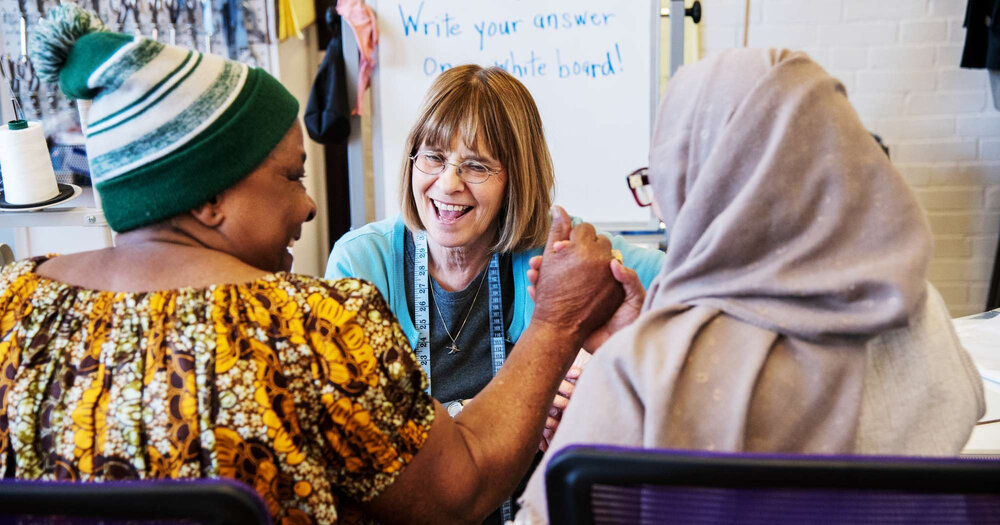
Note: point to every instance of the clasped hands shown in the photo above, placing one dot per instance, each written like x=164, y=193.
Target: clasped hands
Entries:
x=593, y=295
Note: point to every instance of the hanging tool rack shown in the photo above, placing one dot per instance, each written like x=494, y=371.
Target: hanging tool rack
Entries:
x=237, y=29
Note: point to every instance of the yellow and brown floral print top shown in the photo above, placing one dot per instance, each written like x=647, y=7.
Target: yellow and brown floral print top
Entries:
x=303, y=388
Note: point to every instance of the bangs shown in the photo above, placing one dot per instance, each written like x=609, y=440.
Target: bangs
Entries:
x=464, y=114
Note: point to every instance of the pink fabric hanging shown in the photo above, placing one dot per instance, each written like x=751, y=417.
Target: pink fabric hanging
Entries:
x=361, y=18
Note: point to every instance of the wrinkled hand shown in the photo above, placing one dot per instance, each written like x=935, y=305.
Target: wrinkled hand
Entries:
x=574, y=291
x=635, y=295
x=559, y=404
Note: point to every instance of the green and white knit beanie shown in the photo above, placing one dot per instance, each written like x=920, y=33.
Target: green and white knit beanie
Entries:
x=168, y=128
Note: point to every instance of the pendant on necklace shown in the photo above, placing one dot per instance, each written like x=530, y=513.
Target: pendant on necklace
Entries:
x=454, y=348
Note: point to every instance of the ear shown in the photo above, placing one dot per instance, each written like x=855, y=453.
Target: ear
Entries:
x=209, y=214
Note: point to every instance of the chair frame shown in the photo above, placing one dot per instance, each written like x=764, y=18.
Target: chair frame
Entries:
x=574, y=470
x=205, y=501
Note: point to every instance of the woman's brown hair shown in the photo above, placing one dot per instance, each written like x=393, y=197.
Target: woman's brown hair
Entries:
x=474, y=104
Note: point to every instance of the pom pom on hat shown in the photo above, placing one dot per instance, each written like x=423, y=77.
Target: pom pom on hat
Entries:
x=55, y=36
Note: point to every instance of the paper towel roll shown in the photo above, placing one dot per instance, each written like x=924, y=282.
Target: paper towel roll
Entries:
x=28, y=177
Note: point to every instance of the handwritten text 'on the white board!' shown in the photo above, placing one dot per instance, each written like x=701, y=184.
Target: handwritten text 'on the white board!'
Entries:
x=497, y=39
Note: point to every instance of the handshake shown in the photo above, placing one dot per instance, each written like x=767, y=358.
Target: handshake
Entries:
x=580, y=285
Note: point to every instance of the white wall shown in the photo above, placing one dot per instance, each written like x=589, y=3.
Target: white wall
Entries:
x=298, y=61
x=899, y=60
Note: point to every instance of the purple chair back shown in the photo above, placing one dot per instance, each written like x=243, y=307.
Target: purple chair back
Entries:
x=611, y=485
x=146, y=502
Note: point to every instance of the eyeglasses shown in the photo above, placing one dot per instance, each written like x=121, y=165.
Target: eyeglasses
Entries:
x=638, y=182
x=471, y=171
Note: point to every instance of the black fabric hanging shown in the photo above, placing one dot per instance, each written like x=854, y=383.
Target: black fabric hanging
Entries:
x=982, y=36
x=327, y=115
x=328, y=119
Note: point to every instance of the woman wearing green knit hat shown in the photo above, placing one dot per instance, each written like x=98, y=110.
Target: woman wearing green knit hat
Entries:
x=188, y=350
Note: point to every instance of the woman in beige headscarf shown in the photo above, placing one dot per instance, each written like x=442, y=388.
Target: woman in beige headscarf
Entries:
x=792, y=312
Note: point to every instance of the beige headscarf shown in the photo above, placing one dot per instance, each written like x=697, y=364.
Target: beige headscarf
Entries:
x=793, y=246
x=784, y=211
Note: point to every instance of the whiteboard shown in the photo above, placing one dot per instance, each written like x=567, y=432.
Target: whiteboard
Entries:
x=591, y=66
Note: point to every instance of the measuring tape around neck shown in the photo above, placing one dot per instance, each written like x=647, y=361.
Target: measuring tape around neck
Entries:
x=421, y=310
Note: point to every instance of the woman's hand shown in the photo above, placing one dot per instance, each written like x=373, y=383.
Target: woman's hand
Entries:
x=629, y=310
x=559, y=403
x=574, y=293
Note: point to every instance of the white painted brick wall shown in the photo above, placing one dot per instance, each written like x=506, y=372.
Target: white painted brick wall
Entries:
x=858, y=34
x=962, y=79
x=956, y=30
x=978, y=293
x=949, y=55
x=989, y=149
x=953, y=246
x=970, y=197
x=975, y=126
x=877, y=104
x=948, y=8
x=946, y=102
x=893, y=57
x=796, y=11
x=899, y=61
x=915, y=127
x=934, y=151
x=895, y=81
x=801, y=35
x=920, y=32
x=846, y=58
x=891, y=11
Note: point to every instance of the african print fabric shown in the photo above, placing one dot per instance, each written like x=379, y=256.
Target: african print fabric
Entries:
x=303, y=388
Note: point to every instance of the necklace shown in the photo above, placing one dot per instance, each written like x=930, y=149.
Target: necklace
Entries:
x=454, y=340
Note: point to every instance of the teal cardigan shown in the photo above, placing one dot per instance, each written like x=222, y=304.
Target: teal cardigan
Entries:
x=374, y=253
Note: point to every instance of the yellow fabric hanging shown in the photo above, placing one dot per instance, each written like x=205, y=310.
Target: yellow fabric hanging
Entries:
x=294, y=16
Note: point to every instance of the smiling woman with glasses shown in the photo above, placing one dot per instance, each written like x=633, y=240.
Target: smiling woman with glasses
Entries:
x=476, y=193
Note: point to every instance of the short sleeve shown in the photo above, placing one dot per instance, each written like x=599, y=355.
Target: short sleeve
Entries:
x=647, y=262
x=338, y=266
x=375, y=411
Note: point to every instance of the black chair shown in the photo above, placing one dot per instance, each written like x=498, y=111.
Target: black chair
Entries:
x=189, y=502
x=594, y=484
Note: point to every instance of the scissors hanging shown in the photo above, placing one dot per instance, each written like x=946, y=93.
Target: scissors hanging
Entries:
x=7, y=69
x=122, y=10
x=23, y=70
x=174, y=12
x=154, y=8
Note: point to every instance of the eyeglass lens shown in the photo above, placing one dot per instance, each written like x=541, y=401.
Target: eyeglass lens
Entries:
x=638, y=182
x=435, y=164
x=644, y=195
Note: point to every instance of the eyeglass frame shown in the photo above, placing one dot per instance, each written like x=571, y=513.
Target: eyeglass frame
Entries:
x=458, y=168
x=643, y=174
